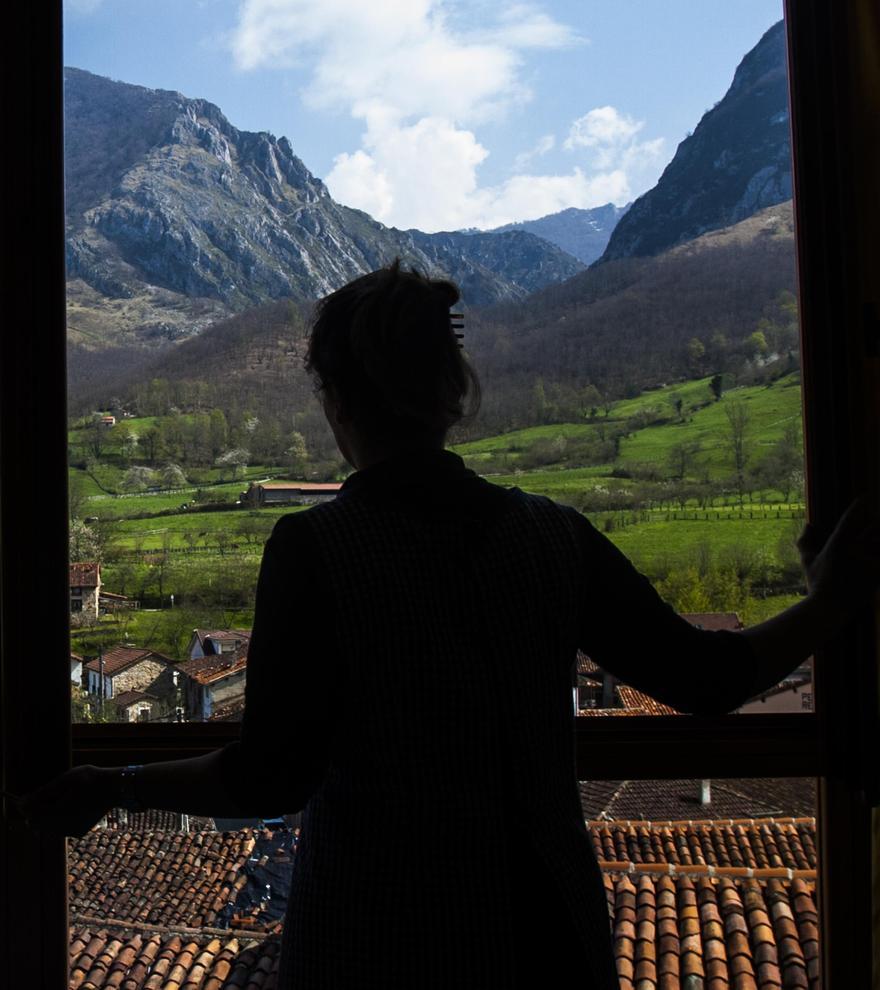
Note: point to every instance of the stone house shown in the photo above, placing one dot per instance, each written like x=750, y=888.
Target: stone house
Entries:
x=85, y=588
x=117, y=674
x=216, y=673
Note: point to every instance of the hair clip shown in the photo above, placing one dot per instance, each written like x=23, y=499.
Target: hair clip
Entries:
x=456, y=321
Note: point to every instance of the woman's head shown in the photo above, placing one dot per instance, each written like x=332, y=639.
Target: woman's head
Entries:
x=384, y=348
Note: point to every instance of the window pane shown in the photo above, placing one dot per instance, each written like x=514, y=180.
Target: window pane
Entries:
x=629, y=301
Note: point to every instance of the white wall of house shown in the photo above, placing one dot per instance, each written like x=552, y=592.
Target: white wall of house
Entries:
x=76, y=672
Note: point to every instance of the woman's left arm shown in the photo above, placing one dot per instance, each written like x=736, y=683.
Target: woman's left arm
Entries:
x=282, y=754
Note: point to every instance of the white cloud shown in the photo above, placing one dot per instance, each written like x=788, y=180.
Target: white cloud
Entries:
x=425, y=176
x=602, y=127
x=610, y=137
x=420, y=84
x=542, y=147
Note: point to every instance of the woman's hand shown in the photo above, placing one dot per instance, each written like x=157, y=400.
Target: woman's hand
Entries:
x=72, y=803
x=844, y=570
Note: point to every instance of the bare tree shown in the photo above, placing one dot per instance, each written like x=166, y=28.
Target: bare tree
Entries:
x=738, y=440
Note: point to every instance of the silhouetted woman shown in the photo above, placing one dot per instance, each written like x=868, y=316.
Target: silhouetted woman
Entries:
x=410, y=684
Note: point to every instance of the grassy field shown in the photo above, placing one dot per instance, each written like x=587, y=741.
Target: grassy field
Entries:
x=243, y=527
x=703, y=421
x=209, y=560
x=110, y=506
x=657, y=543
x=771, y=409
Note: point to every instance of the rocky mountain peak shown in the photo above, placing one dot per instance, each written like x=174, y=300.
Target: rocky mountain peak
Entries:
x=736, y=162
x=176, y=217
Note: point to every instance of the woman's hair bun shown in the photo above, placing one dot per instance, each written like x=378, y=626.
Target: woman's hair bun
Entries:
x=386, y=346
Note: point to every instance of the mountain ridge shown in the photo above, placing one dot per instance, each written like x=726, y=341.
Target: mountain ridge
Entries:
x=584, y=234
x=176, y=218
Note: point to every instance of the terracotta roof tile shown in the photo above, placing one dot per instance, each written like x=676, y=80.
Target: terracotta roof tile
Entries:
x=85, y=574
x=713, y=620
x=669, y=930
x=122, y=657
x=214, y=666
x=751, y=844
x=679, y=800
x=644, y=703
x=157, y=877
x=153, y=820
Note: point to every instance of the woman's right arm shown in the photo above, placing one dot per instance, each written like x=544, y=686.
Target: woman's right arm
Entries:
x=629, y=631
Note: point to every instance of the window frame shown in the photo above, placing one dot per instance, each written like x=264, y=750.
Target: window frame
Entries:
x=833, y=51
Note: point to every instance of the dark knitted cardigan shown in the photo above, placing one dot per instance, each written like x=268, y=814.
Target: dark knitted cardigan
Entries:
x=410, y=683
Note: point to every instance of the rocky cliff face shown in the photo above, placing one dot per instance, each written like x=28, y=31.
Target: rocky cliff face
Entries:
x=736, y=162
x=584, y=234
x=175, y=218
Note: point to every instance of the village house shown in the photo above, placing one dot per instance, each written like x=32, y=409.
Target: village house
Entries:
x=139, y=683
x=794, y=694
x=289, y=493
x=204, y=642
x=76, y=669
x=108, y=601
x=85, y=588
x=215, y=674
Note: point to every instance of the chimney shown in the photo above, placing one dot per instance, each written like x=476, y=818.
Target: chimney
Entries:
x=705, y=792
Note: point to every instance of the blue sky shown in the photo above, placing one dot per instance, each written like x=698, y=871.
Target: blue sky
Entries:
x=442, y=114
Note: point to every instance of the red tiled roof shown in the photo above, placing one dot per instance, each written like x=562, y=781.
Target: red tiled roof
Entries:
x=105, y=955
x=671, y=932
x=75, y=657
x=85, y=574
x=750, y=843
x=230, y=712
x=644, y=703
x=122, y=657
x=611, y=712
x=699, y=924
x=679, y=800
x=585, y=665
x=214, y=666
x=303, y=486
x=713, y=620
x=162, y=878
x=154, y=820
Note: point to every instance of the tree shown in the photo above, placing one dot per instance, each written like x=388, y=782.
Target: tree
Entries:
x=591, y=399
x=696, y=351
x=756, y=343
x=126, y=438
x=237, y=459
x=682, y=457
x=738, y=440
x=172, y=476
x=76, y=496
x=783, y=467
x=138, y=478
x=716, y=386
x=85, y=542
x=297, y=454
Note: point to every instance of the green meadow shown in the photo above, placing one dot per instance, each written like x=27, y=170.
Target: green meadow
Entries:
x=720, y=550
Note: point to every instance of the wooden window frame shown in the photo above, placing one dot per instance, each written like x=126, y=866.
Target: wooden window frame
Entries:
x=835, y=86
